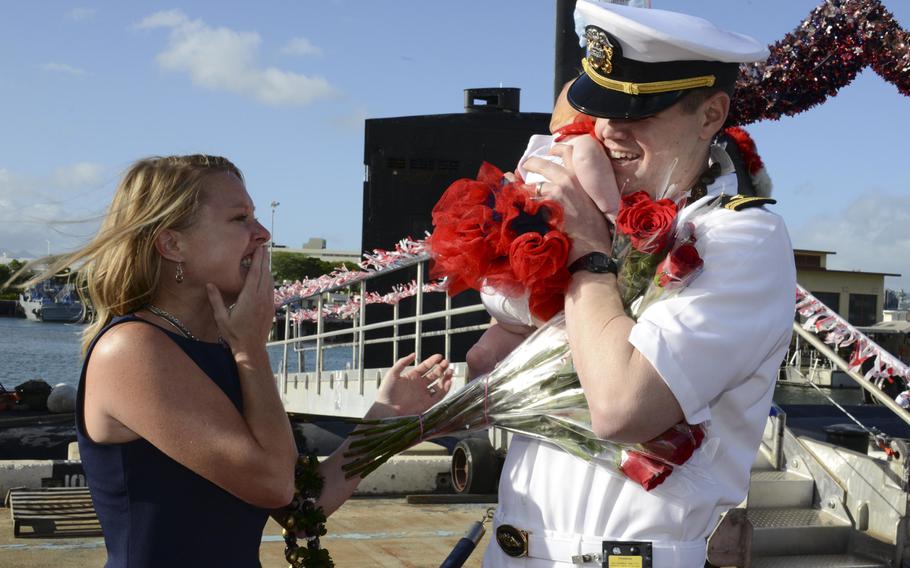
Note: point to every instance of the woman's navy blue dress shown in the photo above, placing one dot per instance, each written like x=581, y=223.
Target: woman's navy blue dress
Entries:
x=157, y=513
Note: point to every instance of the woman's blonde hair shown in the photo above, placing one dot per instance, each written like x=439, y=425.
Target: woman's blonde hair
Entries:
x=121, y=268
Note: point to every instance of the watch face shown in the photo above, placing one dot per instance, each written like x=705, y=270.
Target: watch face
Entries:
x=596, y=262
x=599, y=263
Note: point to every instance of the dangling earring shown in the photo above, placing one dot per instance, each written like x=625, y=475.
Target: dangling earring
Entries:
x=179, y=276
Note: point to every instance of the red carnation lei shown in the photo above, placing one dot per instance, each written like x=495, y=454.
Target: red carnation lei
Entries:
x=492, y=232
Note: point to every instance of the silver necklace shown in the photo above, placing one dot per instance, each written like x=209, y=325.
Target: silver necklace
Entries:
x=172, y=319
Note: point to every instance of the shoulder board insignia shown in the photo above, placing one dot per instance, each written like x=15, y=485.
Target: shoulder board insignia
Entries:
x=739, y=202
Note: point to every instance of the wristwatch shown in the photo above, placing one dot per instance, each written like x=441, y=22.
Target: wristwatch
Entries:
x=597, y=262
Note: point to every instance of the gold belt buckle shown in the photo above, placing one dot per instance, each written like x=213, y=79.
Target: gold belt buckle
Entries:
x=513, y=541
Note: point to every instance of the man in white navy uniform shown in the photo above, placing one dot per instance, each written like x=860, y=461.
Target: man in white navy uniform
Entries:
x=659, y=84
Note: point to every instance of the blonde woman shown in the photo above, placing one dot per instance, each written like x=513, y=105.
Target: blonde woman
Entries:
x=183, y=437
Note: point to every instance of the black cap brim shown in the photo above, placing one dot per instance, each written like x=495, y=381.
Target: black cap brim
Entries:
x=590, y=98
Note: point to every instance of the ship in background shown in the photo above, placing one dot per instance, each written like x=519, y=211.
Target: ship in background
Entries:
x=52, y=301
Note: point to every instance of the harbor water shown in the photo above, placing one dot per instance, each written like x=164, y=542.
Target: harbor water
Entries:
x=38, y=350
x=52, y=352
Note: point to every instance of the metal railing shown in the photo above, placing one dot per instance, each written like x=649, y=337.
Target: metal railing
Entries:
x=300, y=345
x=304, y=346
x=860, y=380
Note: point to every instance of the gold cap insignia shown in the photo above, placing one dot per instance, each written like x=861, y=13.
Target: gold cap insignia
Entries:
x=600, y=50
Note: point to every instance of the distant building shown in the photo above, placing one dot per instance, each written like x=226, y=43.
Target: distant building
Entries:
x=859, y=297
x=315, y=247
x=897, y=300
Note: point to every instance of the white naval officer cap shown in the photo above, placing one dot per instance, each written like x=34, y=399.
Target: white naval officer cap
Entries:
x=639, y=61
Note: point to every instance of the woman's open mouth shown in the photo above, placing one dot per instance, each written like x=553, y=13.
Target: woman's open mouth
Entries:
x=246, y=261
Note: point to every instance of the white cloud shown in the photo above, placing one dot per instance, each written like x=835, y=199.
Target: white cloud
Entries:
x=164, y=19
x=62, y=208
x=63, y=68
x=79, y=14
x=352, y=121
x=227, y=60
x=80, y=174
x=300, y=46
x=870, y=235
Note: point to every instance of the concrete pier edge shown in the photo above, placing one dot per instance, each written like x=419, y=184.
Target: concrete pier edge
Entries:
x=401, y=475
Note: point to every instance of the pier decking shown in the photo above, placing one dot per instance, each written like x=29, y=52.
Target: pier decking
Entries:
x=364, y=533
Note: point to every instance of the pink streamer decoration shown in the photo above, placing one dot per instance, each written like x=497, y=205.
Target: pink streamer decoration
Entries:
x=821, y=318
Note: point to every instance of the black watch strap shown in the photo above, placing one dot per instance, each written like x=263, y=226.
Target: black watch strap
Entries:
x=597, y=262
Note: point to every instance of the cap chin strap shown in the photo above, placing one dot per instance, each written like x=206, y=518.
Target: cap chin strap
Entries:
x=718, y=155
x=719, y=164
x=647, y=88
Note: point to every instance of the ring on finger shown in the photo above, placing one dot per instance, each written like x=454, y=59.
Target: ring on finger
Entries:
x=538, y=187
x=431, y=389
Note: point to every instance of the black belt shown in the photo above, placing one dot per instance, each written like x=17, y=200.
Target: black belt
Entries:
x=615, y=554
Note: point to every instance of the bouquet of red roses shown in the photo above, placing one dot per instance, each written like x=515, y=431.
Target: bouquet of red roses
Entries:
x=490, y=232
x=493, y=233
x=656, y=255
x=534, y=392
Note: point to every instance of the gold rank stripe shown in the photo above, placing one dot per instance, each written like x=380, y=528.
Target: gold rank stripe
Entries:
x=646, y=88
x=738, y=202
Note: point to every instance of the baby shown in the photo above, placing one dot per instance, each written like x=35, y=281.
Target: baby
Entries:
x=512, y=320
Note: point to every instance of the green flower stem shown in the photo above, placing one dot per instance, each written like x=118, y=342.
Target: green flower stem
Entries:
x=635, y=274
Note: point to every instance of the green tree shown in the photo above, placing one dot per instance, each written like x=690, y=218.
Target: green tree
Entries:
x=295, y=266
x=6, y=271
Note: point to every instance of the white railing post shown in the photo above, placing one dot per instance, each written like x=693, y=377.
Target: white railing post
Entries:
x=418, y=311
x=284, y=356
x=448, y=335
x=362, y=317
x=300, y=359
x=395, y=332
x=320, y=328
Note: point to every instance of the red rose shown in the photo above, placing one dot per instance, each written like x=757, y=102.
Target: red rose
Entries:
x=676, y=445
x=460, y=196
x=551, y=211
x=549, y=298
x=634, y=198
x=491, y=231
x=645, y=471
x=500, y=277
x=679, y=267
x=647, y=223
x=510, y=202
x=536, y=257
x=462, y=248
x=488, y=173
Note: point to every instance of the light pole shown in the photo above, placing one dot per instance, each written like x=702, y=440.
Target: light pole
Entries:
x=274, y=206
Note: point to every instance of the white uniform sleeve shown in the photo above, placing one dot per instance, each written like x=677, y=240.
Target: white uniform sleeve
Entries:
x=719, y=330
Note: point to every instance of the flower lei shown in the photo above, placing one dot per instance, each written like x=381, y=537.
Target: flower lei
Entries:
x=490, y=232
x=303, y=516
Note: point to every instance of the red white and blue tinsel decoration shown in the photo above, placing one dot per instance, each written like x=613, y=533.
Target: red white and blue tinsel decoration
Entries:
x=823, y=54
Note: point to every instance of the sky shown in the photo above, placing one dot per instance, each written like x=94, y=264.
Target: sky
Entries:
x=282, y=88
